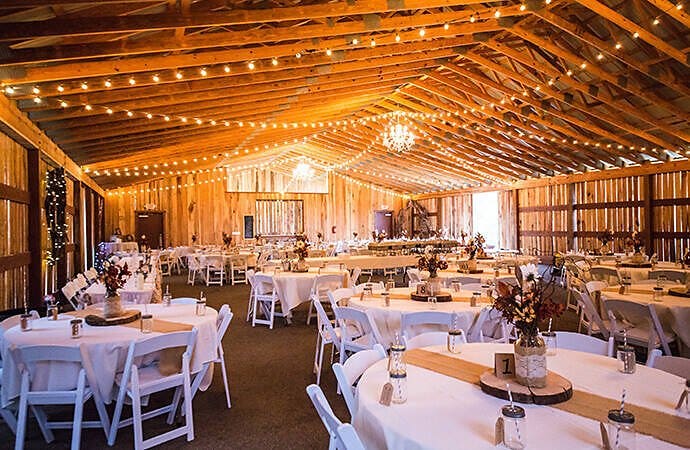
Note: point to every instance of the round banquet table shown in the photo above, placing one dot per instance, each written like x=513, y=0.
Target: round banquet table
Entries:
x=388, y=318
x=673, y=311
x=367, y=261
x=128, y=294
x=451, y=274
x=641, y=273
x=294, y=287
x=107, y=347
x=446, y=413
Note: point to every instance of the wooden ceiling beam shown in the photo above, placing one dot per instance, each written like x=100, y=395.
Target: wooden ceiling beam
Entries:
x=514, y=146
x=154, y=64
x=584, y=88
x=555, y=95
x=659, y=74
x=667, y=7
x=631, y=27
x=538, y=104
x=157, y=22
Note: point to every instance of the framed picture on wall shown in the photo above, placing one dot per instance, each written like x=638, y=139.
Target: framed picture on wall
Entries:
x=249, y=227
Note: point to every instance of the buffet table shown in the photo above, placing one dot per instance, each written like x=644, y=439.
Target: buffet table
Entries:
x=107, y=347
x=388, y=318
x=446, y=413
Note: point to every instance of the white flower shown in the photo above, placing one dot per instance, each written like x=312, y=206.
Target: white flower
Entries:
x=530, y=272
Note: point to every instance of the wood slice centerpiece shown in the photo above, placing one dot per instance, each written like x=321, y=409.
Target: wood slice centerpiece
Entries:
x=679, y=292
x=440, y=297
x=471, y=272
x=645, y=265
x=98, y=320
x=557, y=389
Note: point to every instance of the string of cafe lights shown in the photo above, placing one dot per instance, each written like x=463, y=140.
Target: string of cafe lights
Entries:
x=226, y=69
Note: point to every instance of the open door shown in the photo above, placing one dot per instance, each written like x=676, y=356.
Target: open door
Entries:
x=383, y=221
x=151, y=225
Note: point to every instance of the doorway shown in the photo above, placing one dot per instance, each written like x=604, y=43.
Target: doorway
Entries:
x=383, y=221
x=151, y=225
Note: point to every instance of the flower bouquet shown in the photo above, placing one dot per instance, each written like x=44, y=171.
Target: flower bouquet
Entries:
x=605, y=237
x=431, y=262
x=475, y=248
x=227, y=239
x=634, y=241
x=194, y=238
x=301, y=250
x=114, y=278
x=525, y=307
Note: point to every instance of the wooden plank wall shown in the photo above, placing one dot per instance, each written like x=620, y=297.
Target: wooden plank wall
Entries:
x=543, y=219
x=199, y=204
x=14, y=224
x=615, y=204
x=671, y=214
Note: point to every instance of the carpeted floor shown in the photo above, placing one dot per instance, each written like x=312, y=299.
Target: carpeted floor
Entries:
x=268, y=373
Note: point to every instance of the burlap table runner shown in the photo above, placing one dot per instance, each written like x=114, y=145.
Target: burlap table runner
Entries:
x=170, y=360
x=403, y=296
x=649, y=291
x=666, y=427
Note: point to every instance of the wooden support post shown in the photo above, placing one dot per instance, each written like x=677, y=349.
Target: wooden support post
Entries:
x=570, y=225
x=35, y=280
x=516, y=200
x=648, y=225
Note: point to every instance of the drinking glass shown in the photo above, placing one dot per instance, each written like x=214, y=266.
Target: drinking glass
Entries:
x=390, y=284
x=75, y=326
x=551, y=342
x=514, y=427
x=456, y=286
x=657, y=293
x=431, y=299
x=399, y=382
x=621, y=430
x=455, y=341
x=25, y=322
x=201, y=307
x=661, y=281
x=146, y=323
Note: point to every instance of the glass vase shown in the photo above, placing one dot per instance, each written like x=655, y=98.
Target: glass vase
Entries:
x=530, y=361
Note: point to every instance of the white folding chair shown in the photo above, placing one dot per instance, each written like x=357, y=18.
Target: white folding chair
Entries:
x=252, y=292
x=677, y=276
x=27, y=360
x=222, y=323
x=640, y=323
x=584, y=343
x=238, y=270
x=323, y=284
x=490, y=326
x=337, y=296
x=326, y=333
x=675, y=365
x=194, y=268
x=589, y=316
x=266, y=297
x=329, y=419
x=354, y=276
x=431, y=338
x=215, y=270
x=348, y=373
x=165, y=263
x=348, y=438
x=437, y=320
x=413, y=277
x=367, y=334
x=91, y=275
x=608, y=274
x=137, y=382
x=70, y=293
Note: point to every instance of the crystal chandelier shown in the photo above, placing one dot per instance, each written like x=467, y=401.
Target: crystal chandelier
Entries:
x=398, y=137
x=303, y=171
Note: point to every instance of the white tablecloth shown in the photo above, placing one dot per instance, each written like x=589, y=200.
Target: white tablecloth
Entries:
x=388, y=318
x=452, y=274
x=112, y=247
x=673, y=311
x=367, y=261
x=294, y=287
x=107, y=347
x=446, y=413
x=128, y=294
x=641, y=273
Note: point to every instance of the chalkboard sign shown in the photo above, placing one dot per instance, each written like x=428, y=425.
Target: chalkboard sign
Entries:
x=249, y=227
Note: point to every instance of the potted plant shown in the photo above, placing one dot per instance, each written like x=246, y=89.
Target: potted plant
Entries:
x=525, y=307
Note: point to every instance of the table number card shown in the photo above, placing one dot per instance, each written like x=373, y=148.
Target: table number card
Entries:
x=386, y=394
x=504, y=365
x=499, y=438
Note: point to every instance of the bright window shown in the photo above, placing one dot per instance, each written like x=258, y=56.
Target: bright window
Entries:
x=485, y=217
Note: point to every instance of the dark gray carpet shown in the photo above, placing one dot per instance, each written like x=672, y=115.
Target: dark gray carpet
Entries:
x=268, y=373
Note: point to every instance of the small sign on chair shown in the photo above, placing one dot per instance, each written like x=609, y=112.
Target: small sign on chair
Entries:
x=504, y=365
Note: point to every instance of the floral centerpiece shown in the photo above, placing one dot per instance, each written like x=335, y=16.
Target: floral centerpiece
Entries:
x=227, y=239
x=525, y=307
x=634, y=241
x=354, y=235
x=605, y=237
x=685, y=260
x=463, y=236
x=113, y=277
x=194, y=238
x=431, y=262
x=301, y=250
x=475, y=248
x=378, y=236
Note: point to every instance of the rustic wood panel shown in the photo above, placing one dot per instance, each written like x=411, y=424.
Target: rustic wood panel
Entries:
x=200, y=204
x=671, y=214
x=14, y=238
x=543, y=231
